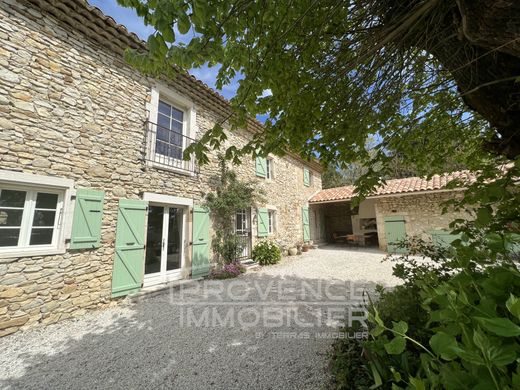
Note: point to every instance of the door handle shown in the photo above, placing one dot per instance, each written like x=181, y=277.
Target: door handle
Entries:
x=130, y=243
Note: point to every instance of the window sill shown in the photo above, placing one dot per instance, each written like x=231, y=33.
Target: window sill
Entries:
x=25, y=252
x=169, y=168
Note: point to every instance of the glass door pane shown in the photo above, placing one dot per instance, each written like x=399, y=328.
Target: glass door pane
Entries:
x=154, y=238
x=173, y=254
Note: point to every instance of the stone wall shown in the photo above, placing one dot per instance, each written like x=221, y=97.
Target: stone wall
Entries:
x=70, y=108
x=422, y=213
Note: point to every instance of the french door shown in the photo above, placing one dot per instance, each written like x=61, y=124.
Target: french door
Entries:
x=164, y=244
x=243, y=233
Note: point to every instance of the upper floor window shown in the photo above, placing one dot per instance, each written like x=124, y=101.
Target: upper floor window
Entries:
x=170, y=131
x=29, y=218
x=264, y=167
x=307, y=177
x=269, y=168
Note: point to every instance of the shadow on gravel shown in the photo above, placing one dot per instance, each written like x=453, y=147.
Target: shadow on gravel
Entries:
x=253, y=332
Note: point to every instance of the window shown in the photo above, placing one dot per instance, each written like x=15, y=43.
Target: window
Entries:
x=170, y=131
x=269, y=165
x=307, y=177
x=171, y=128
x=29, y=218
x=272, y=221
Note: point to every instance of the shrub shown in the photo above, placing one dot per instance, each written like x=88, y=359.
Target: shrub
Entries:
x=266, y=253
x=454, y=324
x=348, y=364
x=227, y=271
x=228, y=247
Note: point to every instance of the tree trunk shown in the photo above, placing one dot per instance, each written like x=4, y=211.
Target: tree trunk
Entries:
x=478, y=42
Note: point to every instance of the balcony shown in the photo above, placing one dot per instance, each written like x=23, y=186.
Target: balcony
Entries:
x=164, y=149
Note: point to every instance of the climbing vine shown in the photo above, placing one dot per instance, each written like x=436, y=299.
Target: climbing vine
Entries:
x=230, y=196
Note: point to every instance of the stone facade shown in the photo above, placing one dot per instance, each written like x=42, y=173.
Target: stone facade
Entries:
x=422, y=213
x=71, y=108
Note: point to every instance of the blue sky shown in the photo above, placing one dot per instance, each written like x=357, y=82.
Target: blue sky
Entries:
x=133, y=23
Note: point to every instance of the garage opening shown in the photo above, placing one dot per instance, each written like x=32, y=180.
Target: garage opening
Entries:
x=346, y=225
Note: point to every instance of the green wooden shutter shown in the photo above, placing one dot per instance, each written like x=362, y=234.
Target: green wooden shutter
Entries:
x=306, y=177
x=200, y=257
x=306, y=224
x=128, y=270
x=261, y=166
x=395, y=232
x=263, y=222
x=443, y=238
x=87, y=220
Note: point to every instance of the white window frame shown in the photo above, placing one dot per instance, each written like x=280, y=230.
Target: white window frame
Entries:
x=33, y=184
x=271, y=221
x=269, y=168
x=189, y=127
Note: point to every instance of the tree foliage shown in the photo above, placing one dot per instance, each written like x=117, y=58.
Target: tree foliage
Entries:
x=328, y=74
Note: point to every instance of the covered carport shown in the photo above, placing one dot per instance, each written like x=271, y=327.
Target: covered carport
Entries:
x=408, y=207
x=342, y=223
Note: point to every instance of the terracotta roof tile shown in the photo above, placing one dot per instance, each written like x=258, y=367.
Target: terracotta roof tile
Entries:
x=396, y=186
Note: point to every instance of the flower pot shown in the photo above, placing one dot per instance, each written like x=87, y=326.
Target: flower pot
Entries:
x=305, y=248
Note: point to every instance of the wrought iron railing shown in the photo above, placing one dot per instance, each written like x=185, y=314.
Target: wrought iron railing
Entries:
x=165, y=147
x=244, y=245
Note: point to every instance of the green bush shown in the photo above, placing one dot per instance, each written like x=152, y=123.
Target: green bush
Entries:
x=454, y=324
x=348, y=364
x=266, y=253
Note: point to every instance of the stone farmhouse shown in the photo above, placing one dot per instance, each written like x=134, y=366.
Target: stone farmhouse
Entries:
x=95, y=199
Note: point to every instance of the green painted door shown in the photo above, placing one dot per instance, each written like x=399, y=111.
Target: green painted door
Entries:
x=127, y=274
x=395, y=231
x=306, y=225
x=443, y=238
x=200, y=256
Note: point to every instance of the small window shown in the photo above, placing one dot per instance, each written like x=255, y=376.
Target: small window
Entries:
x=272, y=222
x=269, y=171
x=307, y=177
x=29, y=218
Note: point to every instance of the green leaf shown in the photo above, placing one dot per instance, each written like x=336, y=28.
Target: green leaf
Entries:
x=484, y=216
x=396, y=374
x=378, y=330
x=168, y=34
x=480, y=339
x=500, y=326
x=502, y=355
x=516, y=377
x=396, y=345
x=417, y=383
x=444, y=345
x=184, y=24
x=377, y=377
x=513, y=305
x=471, y=357
x=400, y=327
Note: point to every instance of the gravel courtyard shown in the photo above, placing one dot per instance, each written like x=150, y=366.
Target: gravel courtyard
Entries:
x=269, y=329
